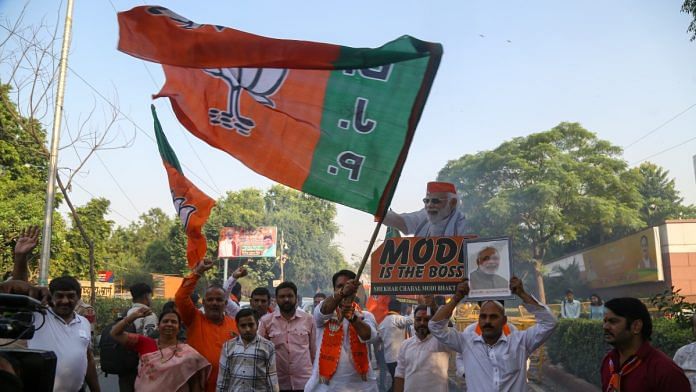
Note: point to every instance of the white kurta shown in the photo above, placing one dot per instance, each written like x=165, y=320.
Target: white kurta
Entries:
x=423, y=365
x=346, y=378
x=417, y=224
x=502, y=367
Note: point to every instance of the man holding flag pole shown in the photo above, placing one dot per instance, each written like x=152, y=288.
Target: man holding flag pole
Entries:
x=332, y=121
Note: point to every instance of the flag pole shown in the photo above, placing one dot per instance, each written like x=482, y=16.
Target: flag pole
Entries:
x=368, y=250
x=55, y=140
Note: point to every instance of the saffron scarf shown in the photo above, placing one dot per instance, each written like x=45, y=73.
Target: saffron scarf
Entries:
x=615, y=378
x=332, y=343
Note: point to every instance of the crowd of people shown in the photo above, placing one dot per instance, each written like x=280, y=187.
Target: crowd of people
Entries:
x=336, y=345
x=288, y=349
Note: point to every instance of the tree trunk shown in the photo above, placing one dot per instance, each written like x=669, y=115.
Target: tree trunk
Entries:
x=540, y=280
x=85, y=238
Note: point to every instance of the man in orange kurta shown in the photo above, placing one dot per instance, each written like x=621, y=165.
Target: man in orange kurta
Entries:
x=205, y=332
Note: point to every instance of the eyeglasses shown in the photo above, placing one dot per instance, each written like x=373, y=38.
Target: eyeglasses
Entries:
x=433, y=200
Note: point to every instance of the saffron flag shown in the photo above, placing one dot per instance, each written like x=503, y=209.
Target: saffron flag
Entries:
x=332, y=121
x=192, y=206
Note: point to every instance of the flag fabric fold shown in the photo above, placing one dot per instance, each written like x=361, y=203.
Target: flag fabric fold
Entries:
x=191, y=204
x=332, y=121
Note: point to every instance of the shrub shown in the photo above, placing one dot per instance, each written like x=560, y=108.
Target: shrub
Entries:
x=579, y=344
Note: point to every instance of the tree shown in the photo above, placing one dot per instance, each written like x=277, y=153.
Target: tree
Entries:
x=545, y=188
x=309, y=228
x=97, y=227
x=661, y=200
x=29, y=57
x=689, y=7
x=23, y=171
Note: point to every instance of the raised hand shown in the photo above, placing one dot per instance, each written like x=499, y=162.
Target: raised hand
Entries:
x=462, y=290
x=516, y=286
x=203, y=265
x=27, y=240
x=240, y=272
x=140, y=312
x=350, y=288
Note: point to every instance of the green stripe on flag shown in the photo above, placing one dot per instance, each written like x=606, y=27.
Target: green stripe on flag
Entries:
x=165, y=149
x=364, y=127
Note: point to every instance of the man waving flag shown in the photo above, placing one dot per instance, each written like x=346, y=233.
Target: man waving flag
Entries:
x=192, y=205
x=329, y=120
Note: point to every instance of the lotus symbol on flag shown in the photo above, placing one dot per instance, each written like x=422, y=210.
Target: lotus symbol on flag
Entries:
x=260, y=83
x=183, y=210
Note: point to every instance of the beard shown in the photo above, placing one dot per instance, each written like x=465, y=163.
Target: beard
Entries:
x=287, y=307
x=489, y=269
x=439, y=216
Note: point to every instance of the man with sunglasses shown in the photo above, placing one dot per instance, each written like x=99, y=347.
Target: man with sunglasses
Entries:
x=438, y=218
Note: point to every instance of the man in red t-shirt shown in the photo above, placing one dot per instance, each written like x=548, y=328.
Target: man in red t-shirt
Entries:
x=205, y=332
x=633, y=364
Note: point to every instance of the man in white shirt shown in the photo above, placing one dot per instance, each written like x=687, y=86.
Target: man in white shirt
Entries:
x=343, y=332
x=68, y=335
x=439, y=216
x=570, y=307
x=232, y=307
x=423, y=361
x=393, y=331
x=685, y=357
x=492, y=359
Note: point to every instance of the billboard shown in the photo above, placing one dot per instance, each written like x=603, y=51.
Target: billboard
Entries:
x=417, y=265
x=632, y=259
x=236, y=242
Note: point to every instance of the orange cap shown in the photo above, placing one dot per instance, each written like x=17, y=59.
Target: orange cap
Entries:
x=437, y=187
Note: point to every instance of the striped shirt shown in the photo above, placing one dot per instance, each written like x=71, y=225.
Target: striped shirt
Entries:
x=250, y=368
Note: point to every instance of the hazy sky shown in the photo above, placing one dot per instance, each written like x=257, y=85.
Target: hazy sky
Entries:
x=620, y=68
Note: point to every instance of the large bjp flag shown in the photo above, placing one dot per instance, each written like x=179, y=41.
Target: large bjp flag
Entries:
x=329, y=120
x=191, y=204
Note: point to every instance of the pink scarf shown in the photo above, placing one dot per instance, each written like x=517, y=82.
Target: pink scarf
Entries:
x=170, y=369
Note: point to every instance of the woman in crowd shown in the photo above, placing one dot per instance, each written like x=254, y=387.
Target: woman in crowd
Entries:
x=596, y=307
x=165, y=363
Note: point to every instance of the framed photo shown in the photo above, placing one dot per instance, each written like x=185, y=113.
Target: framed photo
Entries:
x=489, y=268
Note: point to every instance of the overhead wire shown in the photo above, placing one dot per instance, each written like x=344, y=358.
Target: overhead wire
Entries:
x=118, y=185
x=96, y=197
x=659, y=127
x=665, y=150
x=117, y=109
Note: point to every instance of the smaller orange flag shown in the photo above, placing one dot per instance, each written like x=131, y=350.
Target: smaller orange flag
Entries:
x=192, y=206
x=378, y=305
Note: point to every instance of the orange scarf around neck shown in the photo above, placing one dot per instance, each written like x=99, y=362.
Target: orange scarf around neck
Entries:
x=331, y=345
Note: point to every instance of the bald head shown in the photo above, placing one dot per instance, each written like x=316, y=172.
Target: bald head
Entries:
x=493, y=306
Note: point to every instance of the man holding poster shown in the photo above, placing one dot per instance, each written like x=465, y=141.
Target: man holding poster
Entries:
x=494, y=358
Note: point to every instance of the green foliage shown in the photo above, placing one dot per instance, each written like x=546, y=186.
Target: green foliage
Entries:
x=689, y=7
x=579, y=344
x=309, y=227
x=563, y=347
x=661, y=199
x=673, y=305
x=556, y=287
x=98, y=228
x=547, y=188
x=23, y=171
